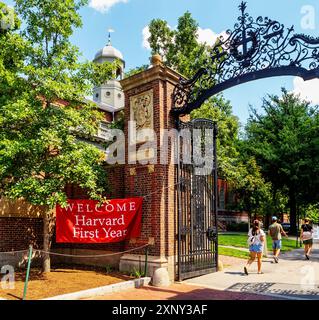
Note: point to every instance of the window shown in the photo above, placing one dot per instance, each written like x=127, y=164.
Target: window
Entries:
x=104, y=131
x=231, y=197
x=222, y=198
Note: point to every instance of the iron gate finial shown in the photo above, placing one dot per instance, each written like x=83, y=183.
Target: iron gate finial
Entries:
x=243, y=7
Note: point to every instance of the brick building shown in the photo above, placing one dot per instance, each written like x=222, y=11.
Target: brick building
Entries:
x=21, y=223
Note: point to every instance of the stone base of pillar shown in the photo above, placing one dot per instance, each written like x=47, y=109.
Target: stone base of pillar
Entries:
x=132, y=262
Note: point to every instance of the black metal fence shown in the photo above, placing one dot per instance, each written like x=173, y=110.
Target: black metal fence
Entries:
x=197, y=203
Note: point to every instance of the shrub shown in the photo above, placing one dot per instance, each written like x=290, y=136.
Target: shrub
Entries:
x=137, y=273
x=109, y=269
x=237, y=227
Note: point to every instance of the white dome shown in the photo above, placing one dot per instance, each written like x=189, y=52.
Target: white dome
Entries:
x=109, y=52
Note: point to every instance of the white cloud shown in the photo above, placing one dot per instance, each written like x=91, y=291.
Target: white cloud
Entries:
x=146, y=34
x=207, y=36
x=308, y=90
x=104, y=5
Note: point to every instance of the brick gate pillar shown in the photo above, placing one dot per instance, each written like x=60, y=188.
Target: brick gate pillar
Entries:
x=148, y=101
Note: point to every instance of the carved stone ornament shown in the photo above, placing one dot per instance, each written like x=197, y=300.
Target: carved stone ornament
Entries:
x=141, y=109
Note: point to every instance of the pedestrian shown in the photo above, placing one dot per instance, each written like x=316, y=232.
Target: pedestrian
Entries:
x=256, y=240
x=275, y=232
x=306, y=235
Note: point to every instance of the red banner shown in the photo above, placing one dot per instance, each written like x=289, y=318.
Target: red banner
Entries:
x=86, y=221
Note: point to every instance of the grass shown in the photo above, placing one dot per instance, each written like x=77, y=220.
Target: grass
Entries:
x=239, y=240
x=233, y=240
x=233, y=253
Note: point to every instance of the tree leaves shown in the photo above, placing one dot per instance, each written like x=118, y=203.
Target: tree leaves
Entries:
x=179, y=48
x=284, y=140
x=43, y=109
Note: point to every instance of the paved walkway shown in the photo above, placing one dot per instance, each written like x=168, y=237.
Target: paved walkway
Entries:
x=179, y=291
x=293, y=277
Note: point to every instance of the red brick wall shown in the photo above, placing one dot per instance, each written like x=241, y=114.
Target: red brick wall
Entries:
x=144, y=183
x=19, y=233
x=116, y=183
x=159, y=207
x=108, y=116
x=115, y=177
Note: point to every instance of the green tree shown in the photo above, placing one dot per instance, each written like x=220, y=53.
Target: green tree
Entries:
x=179, y=48
x=182, y=51
x=240, y=170
x=220, y=111
x=136, y=70
x=254, y=193
x=12, y=53
x=310, y=211
x=284, y=139
x=161, y=38
x=43, y=110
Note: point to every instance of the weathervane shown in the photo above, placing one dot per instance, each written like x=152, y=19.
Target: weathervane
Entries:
x=110, y=30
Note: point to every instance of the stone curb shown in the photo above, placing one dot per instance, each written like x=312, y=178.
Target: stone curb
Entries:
x=100, y=291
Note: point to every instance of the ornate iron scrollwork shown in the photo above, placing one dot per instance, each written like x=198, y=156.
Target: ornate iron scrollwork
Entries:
x=211, y=234
x=255, y=49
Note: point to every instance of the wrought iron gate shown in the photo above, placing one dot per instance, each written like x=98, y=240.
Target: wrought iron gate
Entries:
x=255, y=49
x=197, y=201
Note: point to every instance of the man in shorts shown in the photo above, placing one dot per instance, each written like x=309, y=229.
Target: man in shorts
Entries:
x=276, y=231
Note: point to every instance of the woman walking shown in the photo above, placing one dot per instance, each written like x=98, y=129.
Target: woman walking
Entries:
x=307, y=237
x=256, y=239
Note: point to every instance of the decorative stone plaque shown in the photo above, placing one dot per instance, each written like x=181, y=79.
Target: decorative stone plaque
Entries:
x=141, y=110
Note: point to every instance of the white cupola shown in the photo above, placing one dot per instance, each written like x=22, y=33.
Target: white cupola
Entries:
x=110, y=96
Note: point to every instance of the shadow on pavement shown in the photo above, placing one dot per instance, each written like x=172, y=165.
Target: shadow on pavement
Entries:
x=291, y=290
x=210, y=294
x=235, y=273
x=205, y=294
x=299, y=255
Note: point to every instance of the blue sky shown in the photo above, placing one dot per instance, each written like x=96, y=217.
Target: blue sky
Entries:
x=129, y=17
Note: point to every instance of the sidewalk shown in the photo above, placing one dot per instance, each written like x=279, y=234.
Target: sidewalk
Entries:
x=179, y=291
x=293, y=277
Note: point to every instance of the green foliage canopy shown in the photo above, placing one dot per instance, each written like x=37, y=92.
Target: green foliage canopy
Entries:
x=43, y=107
x=179, y=48
x=284, y=139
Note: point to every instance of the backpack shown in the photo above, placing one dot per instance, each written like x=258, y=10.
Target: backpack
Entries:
x=251, y=240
